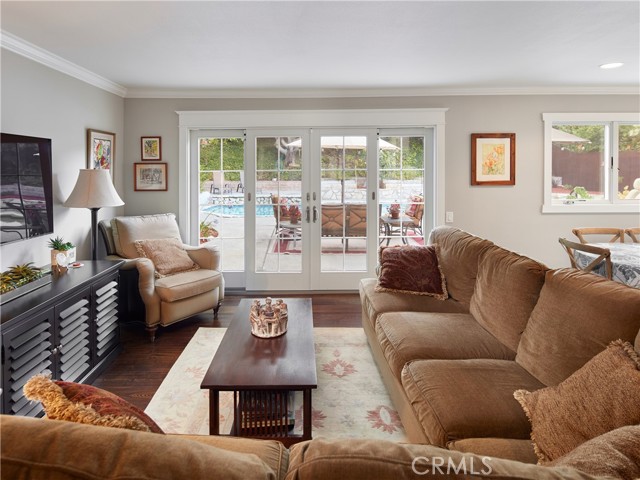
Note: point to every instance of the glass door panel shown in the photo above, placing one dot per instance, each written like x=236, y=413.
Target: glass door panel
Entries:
x=278, y=220
x=343, y=194
x=221, y=198
x=401, y=204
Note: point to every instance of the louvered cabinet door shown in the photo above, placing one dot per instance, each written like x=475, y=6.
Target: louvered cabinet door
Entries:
x=73, y=342
x=26, y=351
x=105, y=295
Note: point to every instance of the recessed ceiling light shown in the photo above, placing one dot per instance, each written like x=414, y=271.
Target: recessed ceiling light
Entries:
x=608, y=66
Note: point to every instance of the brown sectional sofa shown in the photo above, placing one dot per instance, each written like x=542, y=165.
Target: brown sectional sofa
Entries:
x=451, y=367
x=58, y=450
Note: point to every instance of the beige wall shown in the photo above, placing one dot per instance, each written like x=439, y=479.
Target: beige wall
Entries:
x=508, y=215
x=41, y=102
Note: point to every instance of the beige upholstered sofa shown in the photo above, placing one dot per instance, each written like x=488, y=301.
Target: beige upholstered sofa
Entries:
x=452, y=366
x=56, y=450
x=167, y=299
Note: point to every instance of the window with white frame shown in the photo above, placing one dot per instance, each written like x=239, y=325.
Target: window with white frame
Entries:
x=592, y=162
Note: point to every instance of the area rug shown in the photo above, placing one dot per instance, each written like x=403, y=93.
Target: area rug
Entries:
x=351, y=400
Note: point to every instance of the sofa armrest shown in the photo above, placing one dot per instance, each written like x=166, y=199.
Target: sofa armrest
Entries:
x=129, y=263
x=147, y=287
x=206, y=255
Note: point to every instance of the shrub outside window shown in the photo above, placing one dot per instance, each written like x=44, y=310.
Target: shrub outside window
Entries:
x=592, y=162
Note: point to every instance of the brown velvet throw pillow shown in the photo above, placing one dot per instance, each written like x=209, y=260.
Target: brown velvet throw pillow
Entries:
x=599, y=397
x=411, y=269
x=167, y=254
x=613, y=454
x=76, y=402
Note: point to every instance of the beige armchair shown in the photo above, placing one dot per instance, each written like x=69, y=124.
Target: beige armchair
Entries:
x=171, y=298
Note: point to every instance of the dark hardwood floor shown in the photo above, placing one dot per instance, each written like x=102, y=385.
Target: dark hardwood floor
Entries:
x=142, y=365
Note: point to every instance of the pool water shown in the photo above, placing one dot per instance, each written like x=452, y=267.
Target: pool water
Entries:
x=238, y=210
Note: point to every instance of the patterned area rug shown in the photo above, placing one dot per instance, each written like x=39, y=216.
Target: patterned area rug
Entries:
x=351, y=400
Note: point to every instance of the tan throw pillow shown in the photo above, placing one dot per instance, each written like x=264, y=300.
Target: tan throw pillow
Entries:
x=411, y=269
x=76, y=402
x=613, y=454
x=167, y=254
x=601, y=396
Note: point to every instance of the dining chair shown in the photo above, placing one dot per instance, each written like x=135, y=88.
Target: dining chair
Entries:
x=634, y=234
x=617, y=234
x=601, y=254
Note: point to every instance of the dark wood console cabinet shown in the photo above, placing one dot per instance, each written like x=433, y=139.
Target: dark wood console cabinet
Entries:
x=68, y=328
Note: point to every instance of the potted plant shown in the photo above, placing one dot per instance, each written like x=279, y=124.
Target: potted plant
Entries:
x=294, y=214
x=19, y=275
x=394, y=210
x=206, y=232
x=58, y=245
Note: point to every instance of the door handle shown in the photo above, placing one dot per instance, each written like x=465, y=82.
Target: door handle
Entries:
x=315, y=214
x=308, y=214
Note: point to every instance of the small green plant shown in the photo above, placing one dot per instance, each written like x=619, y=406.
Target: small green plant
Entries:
x=59, y=244
x=19, y=275
x=579, y=192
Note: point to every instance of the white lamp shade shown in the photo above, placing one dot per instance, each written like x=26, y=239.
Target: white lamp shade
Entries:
x=94, y=189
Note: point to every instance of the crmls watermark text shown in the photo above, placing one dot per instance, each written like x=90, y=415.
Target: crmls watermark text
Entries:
x=442, y=465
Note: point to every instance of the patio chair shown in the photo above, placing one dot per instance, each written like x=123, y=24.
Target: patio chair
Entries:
x=600, y=254
x=414, y=214
x=356, y=222
x=617, y=234
x=634, y=234
x=333, y=220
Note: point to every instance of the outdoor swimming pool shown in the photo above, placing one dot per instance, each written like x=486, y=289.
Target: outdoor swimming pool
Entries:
x=238, y=210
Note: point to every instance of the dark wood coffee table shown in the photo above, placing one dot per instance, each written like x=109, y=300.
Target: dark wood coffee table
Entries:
x=261, y=372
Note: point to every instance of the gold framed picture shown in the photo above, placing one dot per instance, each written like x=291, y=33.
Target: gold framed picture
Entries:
x=101, y=150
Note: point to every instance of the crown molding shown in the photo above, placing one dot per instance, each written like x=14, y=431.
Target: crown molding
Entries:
x=376, y=92
x=21, y=47
x=28, y=50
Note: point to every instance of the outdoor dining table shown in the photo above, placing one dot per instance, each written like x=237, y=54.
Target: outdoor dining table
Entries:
x=625, y=259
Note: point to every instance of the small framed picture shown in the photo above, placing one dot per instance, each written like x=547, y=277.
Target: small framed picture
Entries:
x=493, y=159
x=151, y=149
x=150, y=177
x=101, y=150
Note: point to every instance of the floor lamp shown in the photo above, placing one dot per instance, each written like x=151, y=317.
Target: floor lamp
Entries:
x=94, y=190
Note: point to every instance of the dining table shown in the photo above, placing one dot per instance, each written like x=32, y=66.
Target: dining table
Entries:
x=625, y=260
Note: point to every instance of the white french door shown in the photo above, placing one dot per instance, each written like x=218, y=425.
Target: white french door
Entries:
x=301, y=208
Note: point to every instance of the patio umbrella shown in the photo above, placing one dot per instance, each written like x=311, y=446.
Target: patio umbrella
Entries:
x=559, y=136
x=346, y=142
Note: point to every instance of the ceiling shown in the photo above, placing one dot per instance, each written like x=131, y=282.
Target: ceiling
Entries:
x=209, y=48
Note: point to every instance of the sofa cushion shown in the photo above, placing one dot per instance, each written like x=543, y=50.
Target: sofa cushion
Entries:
x=167, y=254
x=406, y=336
x=614, y=454
x=507, y=289
x=459, y=256
x=411, y=269
x=376, y=303
x=76, y=402
x=126, y=230
x=601, y=396
x=187, y=284
x=577, y=315
x=54, y=450
x=456, y=399
x=272, y=452
x=520, y=450
x=357, y=459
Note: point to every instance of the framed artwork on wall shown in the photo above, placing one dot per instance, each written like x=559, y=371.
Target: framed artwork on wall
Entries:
x=151, y=148
x=101, y=150
x=493, y=159
x=150, y=177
